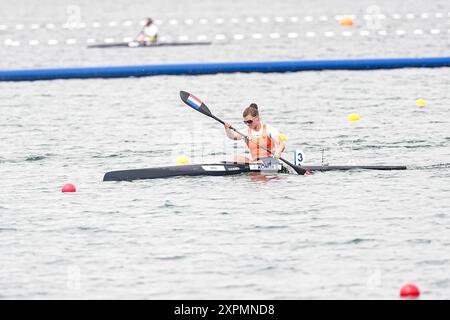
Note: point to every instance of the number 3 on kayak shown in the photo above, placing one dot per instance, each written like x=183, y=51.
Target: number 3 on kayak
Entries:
x=299, y=157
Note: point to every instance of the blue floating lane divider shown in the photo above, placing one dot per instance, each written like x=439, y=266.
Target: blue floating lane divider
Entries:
x=221, y=67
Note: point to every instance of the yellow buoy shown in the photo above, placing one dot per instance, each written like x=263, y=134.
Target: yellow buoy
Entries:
x=420, y=102
x=282, y=137
x=346, y=22
x=353, y=117
x=182, y=159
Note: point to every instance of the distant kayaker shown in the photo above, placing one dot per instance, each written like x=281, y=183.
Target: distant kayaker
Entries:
x=260, y=134
x=149, y=33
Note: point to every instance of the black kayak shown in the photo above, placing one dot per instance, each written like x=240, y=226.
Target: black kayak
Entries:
x=217, y=169
x=134, y=44
x=222, y=169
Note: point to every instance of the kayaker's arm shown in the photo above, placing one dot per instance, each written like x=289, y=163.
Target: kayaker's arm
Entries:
x=230, y=133
x=279, y=146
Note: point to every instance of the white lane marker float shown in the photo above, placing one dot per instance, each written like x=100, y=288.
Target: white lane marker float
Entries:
x=220, y=37
x=256, y=36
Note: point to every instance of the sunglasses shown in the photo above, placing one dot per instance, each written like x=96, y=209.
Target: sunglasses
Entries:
x=248, y=122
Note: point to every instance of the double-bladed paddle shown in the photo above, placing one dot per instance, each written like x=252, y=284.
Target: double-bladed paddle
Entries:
x=195, y=103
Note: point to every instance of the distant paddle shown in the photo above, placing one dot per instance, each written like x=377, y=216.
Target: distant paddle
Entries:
x=140, y=32
x=195, y=103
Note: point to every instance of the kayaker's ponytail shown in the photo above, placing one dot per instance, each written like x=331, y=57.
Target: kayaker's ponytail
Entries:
x=251, y=109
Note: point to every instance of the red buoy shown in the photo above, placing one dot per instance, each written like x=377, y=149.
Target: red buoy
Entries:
x=409, y=291
x=68, y=187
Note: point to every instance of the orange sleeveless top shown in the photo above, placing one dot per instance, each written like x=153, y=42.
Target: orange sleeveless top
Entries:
x=264, y=140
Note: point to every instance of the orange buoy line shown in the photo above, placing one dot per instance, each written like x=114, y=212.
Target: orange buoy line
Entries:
x=346, y=22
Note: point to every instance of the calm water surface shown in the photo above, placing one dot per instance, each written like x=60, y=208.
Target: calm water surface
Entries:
x=350, y=235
